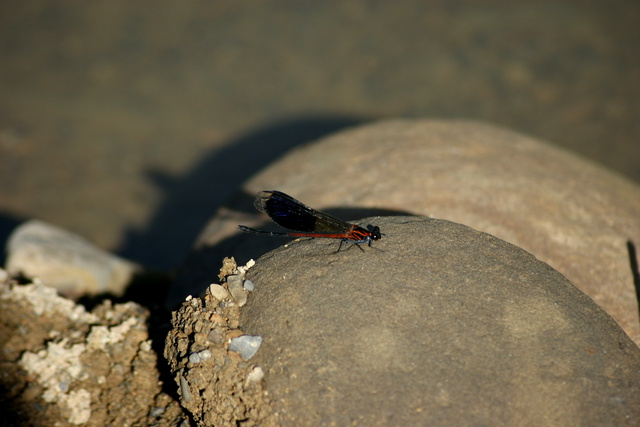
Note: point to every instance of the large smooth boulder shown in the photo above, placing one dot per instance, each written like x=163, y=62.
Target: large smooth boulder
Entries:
x=569, y=212
x=436, y=324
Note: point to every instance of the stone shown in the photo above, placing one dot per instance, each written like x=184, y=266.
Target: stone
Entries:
x=248, y=285
x=237, y=290
x=65, y=261
x=218, y=292
x=570, y=213
x=245, y=345
x=439, y=325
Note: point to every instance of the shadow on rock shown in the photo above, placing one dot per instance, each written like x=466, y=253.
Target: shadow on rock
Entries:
x=190, y=200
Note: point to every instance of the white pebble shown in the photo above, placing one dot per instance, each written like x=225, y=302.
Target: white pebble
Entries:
x=218, y=292
x=200, y=356
x=256, y=375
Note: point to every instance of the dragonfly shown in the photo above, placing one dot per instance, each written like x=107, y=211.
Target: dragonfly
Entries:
x=304, y=221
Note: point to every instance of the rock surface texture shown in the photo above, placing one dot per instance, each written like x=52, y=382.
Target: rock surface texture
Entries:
x=436, y=324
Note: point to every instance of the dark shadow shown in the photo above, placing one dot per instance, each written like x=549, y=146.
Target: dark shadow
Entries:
x=15, y=410
x=192, y=199
x=8, y=223
x=635, y=271
x=159, y=326
x=148, y=290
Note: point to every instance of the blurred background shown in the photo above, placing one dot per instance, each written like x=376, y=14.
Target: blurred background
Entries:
x=130, y=122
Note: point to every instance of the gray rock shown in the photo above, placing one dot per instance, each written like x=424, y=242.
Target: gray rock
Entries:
x=185, y=391
x=436, y=324
x=248, y=285
x=66, y=261
x=199, y=356
x=237, y=290
x=565, y=210
x=246, y=345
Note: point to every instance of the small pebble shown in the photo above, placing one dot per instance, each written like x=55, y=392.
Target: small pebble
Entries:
x=246, y=345
x=234, y=280
x=248, y=285
x=156, y=412
x=185, y=392
x=199, y=356
x=243, y=269
x=218, y=292
x=238, y=292
x=216, y=318
x=256, y=375
x=145, y=345
x=215, y=336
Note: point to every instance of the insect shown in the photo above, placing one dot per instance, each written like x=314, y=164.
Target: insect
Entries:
x=290, y=213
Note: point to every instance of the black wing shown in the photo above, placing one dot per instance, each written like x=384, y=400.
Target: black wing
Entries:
x=290, y=213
